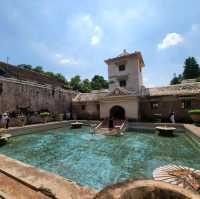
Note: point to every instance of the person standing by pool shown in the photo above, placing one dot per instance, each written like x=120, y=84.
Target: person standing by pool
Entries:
x=110, y=123
x=172, y=118
x=5, y=120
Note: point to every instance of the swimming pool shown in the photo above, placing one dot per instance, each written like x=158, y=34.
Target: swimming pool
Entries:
x=97, y=160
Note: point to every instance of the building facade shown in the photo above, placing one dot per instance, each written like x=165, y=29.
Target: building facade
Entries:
x=127, y=98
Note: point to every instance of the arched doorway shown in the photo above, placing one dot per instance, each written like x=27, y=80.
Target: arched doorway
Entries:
x=117, y=112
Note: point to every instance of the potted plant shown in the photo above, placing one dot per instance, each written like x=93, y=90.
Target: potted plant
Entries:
x=195, y=115
x=44, y=116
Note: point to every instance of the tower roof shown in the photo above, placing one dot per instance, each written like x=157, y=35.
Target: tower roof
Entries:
x=125, y=55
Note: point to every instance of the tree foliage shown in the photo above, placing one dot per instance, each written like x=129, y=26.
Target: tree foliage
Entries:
x=75, y=83
x=60, y=77
x=176, y=79
x=191, y=68
x=191, y=71
x=86, y=86
x=98, y=82
x=25, y=66
x=38, y=69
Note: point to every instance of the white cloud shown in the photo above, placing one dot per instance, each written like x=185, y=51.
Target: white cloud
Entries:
x=59, y=55
x=63, y=60
x=97, y=36
x=170, y=39
x=95, y=40
x=87, y=20
x=94, y=32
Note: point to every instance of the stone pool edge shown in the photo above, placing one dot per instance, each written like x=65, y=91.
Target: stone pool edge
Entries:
x=131, y=125
x=38, y=180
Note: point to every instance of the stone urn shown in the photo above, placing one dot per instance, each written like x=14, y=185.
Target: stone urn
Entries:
x=145, y=189
x=195, y=115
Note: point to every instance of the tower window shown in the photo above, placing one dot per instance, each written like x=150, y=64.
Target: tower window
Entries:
x=121, y=67
x=154, y=105
x=82, y=107
x=122, y=83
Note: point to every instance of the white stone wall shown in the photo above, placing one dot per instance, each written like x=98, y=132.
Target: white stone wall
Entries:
x=130, y=106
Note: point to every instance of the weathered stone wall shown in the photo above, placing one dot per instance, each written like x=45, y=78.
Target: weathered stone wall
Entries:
x=91, y=110
x=167, y=104
x=15, y=93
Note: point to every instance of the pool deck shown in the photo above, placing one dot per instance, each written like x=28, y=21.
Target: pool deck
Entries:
x=19, y=180
x=194, y=129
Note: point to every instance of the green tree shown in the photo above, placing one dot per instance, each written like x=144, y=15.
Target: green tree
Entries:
x=191, y=68
x=25, y=66
x=176, y=80
x=66, y=85
x=75, y=83
x=60, y=77
x=98, y=82
x=50, y=74
x=38, y=69
x=86, y=86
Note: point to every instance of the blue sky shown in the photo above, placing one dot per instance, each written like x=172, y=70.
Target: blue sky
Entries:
x=75, y=37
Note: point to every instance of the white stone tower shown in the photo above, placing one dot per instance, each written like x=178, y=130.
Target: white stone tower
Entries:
x=125, y=71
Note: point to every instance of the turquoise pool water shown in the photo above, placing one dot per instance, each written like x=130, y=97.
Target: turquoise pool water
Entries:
x=96, y=160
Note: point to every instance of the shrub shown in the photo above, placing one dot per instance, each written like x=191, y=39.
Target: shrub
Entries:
x=194, y=111
x=44, y=114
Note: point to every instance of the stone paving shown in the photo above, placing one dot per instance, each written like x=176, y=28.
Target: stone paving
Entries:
x=194, y=129
x=11, y=188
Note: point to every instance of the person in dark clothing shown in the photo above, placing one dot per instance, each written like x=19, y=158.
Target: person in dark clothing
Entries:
x=7, y=122
x=111, y=123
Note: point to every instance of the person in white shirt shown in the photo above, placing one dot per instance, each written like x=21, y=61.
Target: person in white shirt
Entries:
x=172, y=118
x=5, y=120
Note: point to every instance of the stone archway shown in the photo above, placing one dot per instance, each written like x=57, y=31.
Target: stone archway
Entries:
x=117, y=112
